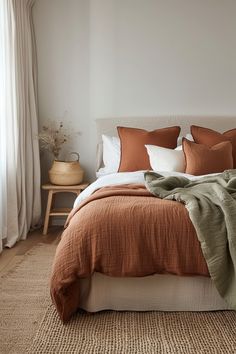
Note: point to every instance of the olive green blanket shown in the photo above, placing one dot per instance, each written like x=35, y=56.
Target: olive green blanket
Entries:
x=211, y=204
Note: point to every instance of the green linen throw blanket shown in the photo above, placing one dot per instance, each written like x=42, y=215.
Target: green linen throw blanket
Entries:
x=211, y=204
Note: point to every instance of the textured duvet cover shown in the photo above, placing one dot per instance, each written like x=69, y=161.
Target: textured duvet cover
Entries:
x=123, y=230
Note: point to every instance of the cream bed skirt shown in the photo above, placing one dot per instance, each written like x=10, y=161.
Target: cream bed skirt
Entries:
x=155, y=292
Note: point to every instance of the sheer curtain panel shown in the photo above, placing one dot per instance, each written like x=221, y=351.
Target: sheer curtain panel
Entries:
x=20, y=206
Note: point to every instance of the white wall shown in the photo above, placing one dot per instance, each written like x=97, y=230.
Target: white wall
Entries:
x=62, y=39
x=103, y=58
x=165, y=56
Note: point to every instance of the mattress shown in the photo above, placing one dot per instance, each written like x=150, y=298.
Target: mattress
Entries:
x=155, y=292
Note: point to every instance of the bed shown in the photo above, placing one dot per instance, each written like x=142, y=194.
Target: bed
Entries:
x=97, y=286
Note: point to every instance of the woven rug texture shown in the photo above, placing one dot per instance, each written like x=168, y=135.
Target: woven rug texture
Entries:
x=137, y=332
x=29, y=322
x=24, y=298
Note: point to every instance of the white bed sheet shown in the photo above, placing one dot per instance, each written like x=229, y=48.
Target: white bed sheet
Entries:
x=124, y=178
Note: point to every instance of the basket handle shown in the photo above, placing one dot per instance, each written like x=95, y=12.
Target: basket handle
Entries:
x=76, y=154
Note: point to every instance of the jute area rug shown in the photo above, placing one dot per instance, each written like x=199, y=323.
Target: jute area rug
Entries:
x=30, y=324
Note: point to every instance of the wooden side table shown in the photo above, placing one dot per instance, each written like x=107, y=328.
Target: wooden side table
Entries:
x=53, y=189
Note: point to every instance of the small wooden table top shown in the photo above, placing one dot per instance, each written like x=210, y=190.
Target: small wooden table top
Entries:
x=50, y=186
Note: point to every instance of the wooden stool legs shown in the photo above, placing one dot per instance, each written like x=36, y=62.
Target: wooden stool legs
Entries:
x=49, y=204
x=52, y=190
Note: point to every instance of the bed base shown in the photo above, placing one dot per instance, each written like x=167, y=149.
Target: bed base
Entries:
x=155, y=292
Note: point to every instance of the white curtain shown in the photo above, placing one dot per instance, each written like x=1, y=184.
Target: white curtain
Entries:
x=20, y=206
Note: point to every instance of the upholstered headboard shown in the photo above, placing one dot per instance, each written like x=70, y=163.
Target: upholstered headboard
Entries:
x=108, y=125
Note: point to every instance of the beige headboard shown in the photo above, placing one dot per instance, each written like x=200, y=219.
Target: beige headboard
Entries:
x=108, y=125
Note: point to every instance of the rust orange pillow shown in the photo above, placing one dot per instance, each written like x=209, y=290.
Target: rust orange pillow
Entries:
x=134, y=155
x=202, y=160
x=211, y=137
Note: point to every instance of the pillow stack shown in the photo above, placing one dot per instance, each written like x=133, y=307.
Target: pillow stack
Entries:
x=202, y=160
x=209, y=152
x=204, y=151
x=210, y=138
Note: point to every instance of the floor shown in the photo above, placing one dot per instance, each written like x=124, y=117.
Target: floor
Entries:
x=9, y=256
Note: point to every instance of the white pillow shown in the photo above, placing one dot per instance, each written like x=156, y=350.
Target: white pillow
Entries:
x=179, y=141
x=111, y=153
x=163, y=159
x=187, y=136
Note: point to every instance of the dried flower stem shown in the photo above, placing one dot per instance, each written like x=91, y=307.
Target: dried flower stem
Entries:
x=52, y=138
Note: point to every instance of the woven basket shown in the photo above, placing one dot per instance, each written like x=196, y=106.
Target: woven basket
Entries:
x=66, y=173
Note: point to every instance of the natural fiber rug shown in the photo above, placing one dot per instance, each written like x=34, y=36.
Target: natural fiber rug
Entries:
x=133, y=332
x=30, y=324
x=24, y=298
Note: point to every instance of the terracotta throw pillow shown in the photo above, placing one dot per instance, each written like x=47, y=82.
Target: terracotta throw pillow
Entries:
x=134, y=155
x=202, y=160
x=211, y=137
